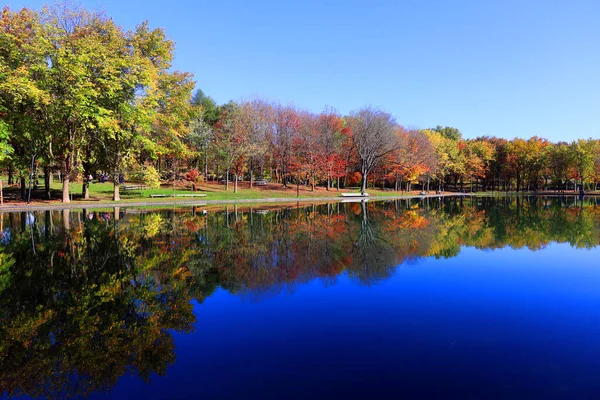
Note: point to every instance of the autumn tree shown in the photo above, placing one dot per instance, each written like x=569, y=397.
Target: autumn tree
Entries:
x=517, y=158
x=257, y=117
x=333, y=136
x=448, y=132
x=23, y=98
x=73, y=40
x=167, y=139
x=479, y=155
x=584, y=154
x=374, y=138
x=449, y=160
x=231, y=141
x=559, y=161
x=414, y=157
x=286, y=125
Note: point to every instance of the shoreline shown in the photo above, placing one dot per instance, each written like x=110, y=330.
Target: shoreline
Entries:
x=198, y=202
x=266, y=200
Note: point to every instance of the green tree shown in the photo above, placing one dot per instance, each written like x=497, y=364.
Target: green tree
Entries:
x=584, y=154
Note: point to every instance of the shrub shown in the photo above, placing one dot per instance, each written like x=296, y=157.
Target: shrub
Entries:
x=148, y=175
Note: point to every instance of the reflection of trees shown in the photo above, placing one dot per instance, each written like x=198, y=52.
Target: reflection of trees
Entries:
x=75, y=314
x=83, y=301
x=373, y=257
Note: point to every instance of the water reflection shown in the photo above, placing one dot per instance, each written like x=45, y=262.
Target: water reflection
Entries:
x=87, y=296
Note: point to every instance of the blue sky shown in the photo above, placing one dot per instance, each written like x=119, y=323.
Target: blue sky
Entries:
x=499, y=67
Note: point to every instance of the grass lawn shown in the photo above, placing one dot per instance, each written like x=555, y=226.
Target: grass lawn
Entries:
x=102, y=192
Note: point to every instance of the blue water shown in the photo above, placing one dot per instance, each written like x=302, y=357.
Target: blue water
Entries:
x=486, y=299
x=486, y=324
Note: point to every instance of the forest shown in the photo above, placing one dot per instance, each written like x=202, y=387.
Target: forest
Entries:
x=81, y=96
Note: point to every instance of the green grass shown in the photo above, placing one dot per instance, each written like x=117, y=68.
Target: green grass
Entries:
x=103, y=192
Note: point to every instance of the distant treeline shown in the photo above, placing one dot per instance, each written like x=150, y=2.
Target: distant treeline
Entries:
x=80, y=96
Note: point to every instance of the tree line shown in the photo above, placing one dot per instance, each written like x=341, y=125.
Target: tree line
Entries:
x=80, y=95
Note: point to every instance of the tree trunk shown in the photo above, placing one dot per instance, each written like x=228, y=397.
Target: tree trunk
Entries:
x=23, y=189
x=235, y=184
x=65, y=189
x=363, y=184
x=47, y=183
x=206, y=163
x=85, y=190
x=10, y=175
x=116, y=192
x=227, y=180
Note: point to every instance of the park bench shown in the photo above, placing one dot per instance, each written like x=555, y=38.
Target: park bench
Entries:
x=134, y=187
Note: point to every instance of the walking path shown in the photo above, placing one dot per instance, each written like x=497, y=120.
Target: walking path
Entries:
x=198, y=202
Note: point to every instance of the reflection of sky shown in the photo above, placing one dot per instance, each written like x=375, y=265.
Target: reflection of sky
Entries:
x=486, y=324
x=29, y=219
x=6, y=236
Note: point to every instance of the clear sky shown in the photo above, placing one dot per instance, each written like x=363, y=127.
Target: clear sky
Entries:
x=497, y=67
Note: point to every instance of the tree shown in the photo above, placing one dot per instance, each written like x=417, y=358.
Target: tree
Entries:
x=584, y=154
x=333, y=136
x=374, y=138
x=560, y=160
x=199, y=138
x=478, y=157
x=5, y=151
x=22, y=99
x=73, y=40
x=286, y=126
x=167, y=138
x=517, y=158
x=231, y=141
x=257, y=118
x=415, y=156
x=448, y=132
x=450, y=161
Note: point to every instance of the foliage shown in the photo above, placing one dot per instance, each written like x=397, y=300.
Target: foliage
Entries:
x=148, y=175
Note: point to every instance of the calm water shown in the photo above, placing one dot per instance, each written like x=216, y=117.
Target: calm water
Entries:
x=482, y=299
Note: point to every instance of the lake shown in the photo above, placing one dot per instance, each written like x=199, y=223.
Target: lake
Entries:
x=482, y=298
